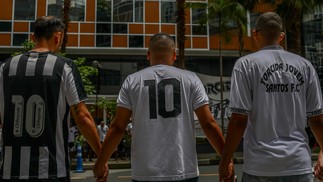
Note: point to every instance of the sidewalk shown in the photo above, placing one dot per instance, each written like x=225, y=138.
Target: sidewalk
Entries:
x=203, y=159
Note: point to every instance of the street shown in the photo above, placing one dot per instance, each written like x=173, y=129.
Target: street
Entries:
x=207, y=174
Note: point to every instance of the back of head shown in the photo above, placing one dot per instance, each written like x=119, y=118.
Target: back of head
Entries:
x=46, y=26
x=270, y=25
x=161, y=45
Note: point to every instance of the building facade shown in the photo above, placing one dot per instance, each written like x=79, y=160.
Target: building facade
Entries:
x=116, y=33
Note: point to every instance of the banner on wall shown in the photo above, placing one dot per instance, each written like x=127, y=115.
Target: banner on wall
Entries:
x=213, y=89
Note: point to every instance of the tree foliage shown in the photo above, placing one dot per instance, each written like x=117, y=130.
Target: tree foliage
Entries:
x=110, y=107
x=86, y=71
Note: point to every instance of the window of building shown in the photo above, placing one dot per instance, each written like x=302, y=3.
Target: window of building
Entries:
x=103, y=40
x=199, y=30
x=110, y=77
x=168, y=12
x=5, y=26
x=25, y=9
x=139, y=6
x=120, y=28
x=77, y=10
x=123, y=10
x=103, y=28
x=198, y=16
x=103, y=13
x=54, y=7
x=18, y=39
x=136, y=41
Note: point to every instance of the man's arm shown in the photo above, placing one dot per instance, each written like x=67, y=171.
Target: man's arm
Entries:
x=316, y=124
x=236, y=128
x=86, y=126
x=210, y=128
x=112, y=139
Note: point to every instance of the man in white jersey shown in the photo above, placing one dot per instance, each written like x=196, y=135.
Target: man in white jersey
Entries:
x=37, y=90
x=161, y=100
x=273, y=94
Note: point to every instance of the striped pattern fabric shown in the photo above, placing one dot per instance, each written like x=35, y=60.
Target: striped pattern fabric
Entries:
x=36, y=92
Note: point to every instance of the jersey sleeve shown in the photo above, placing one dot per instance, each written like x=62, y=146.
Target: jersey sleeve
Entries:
x=124, y=97
x=314, y=105
x=200, y=97
x=75, y=92
x=240, y=93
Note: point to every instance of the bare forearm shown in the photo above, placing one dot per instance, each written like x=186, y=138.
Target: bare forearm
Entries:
x=234, y=135
x=86, y=126
x=316, y=124
x=215, y=137
x=111, y=141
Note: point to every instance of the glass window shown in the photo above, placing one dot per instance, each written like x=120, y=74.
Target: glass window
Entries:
x=5, y=26
x=25, y=9
x=123, y=10
x=103, y=40
x=54, y=7
x=103, y=12
x=110, y=77
x=139, y=11
x=168, y=12
x=198, y=15
x=120, y=28
x=136, y=41
x=103, y=28
x=31, y=27
x=77, y=10
x=18, y=39
x=199, y=30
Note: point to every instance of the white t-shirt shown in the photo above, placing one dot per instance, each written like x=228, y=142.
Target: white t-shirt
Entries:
x=162, y=99
x=278, y=90
x=102, y=131
x=71, y=135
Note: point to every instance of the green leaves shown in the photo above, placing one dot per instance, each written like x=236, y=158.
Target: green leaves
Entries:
x=86, y=73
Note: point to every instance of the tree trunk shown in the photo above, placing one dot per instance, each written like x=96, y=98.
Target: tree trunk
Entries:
x=294, y=37
x=181, y=32
x=66, y=19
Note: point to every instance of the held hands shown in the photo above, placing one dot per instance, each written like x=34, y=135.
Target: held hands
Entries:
x=226, y=172
x=318, y=171
x=101, y=173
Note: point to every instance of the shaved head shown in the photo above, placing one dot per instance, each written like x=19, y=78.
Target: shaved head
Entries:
x=270, y=25
x=161, y=43
x=161, y=49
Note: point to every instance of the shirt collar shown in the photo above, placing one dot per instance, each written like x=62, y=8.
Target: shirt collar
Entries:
x=272, y=47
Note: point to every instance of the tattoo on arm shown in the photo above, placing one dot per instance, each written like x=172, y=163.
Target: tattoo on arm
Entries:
x=76, y=109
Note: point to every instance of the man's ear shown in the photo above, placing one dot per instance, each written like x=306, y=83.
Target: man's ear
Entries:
x=33, y=38
x=148, y=56
x=174, y=55
x=281, y=37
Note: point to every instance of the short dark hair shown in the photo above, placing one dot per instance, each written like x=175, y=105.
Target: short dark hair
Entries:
x=46, y=26
x=161, y=41
x=270, y=25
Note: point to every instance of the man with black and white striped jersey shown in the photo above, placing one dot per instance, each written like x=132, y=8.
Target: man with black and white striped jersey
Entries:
x=37, y=91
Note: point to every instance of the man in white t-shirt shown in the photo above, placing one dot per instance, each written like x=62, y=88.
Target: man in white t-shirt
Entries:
x=161, y=101
x=102, y=130
x=273, y=94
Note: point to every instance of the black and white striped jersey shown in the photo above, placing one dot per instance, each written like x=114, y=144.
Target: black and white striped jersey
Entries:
x=36, y=91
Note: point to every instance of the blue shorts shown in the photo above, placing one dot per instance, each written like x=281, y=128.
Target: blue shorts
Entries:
x=185, y=180
x=295, y=178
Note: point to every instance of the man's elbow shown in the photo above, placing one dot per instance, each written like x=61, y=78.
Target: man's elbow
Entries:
x=239, y=121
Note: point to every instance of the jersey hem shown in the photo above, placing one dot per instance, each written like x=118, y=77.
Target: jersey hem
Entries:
x=166, y=178
x=280, y=173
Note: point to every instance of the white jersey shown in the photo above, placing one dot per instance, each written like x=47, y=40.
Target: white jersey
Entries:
x=162, y=99
x=102, y=131
x=278, y=90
